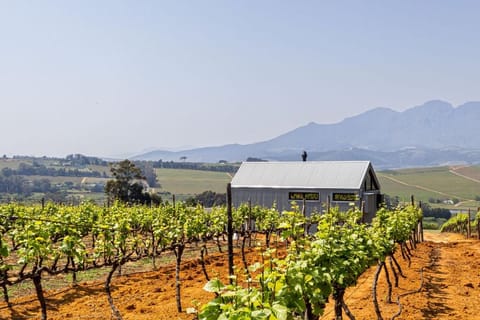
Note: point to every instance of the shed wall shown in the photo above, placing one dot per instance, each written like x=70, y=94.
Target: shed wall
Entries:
x=266, y=197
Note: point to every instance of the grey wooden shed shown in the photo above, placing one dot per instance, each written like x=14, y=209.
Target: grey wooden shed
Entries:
x=343, y=183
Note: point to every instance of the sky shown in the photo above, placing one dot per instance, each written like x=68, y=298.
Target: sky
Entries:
x=110, y=78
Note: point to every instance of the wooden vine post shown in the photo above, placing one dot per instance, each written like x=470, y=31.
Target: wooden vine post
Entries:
x=328, y=204
x=469, y=230
x=230, y=232
x=478, y=225
x=414, y=231
x=362, y=209
x=420, y=224
x=249, y=223
x=304, y=213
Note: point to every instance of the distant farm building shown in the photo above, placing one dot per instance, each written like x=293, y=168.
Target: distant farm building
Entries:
x=342, y=183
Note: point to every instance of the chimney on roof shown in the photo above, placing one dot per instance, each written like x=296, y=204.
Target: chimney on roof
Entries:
x=304, y=156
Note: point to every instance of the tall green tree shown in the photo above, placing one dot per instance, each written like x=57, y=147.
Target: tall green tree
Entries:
x=126, y=185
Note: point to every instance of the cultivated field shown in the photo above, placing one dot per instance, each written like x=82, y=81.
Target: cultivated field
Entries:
x=442, y=183
x=442, y=282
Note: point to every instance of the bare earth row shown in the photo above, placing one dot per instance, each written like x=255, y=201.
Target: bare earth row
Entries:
x=442, y=282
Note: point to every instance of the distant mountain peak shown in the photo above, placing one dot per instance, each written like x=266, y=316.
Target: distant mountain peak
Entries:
x=413, y=136
x=432, y=106
x=438, y=102
x=470, y=106
x=382, y=109
x=380, y=114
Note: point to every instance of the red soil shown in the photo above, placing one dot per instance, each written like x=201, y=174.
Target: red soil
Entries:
x=442, y=282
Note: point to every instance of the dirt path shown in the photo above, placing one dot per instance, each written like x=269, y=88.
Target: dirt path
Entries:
x=446, y=271
x=445, y=267
x=453, y=280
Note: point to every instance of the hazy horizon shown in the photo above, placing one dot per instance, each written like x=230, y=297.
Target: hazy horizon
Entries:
x=120, y=77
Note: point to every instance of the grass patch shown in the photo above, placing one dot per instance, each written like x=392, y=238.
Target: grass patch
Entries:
x=182, y=181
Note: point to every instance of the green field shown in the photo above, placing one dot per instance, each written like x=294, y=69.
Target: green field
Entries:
x=182, y=181
x=10, y=163
x=438, y=183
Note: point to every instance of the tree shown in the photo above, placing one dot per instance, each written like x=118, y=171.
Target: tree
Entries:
x=148, y=172
x=7, y=172
x=43, y=185
x=435, y=212
x=126, y=184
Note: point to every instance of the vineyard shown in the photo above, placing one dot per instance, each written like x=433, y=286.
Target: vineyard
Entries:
x=304, y=260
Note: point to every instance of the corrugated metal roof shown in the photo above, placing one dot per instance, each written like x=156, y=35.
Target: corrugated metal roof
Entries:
x=309, y=174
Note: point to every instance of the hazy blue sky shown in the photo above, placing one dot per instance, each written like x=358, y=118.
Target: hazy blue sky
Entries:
x=112, y=77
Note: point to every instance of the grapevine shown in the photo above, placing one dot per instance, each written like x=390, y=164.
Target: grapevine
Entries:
x=57, y=239
x=298, y=286
x=64, y=239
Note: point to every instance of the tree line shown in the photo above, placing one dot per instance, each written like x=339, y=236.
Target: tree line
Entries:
x=222, y=166
x=36, y=169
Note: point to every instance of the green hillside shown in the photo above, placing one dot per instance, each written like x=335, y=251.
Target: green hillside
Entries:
x=434, y=185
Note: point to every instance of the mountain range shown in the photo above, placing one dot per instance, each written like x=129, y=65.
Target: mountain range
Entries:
x=432, y=134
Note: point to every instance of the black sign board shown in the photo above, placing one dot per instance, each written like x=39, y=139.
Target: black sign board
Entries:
x=344, y=197
x=310, y=196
